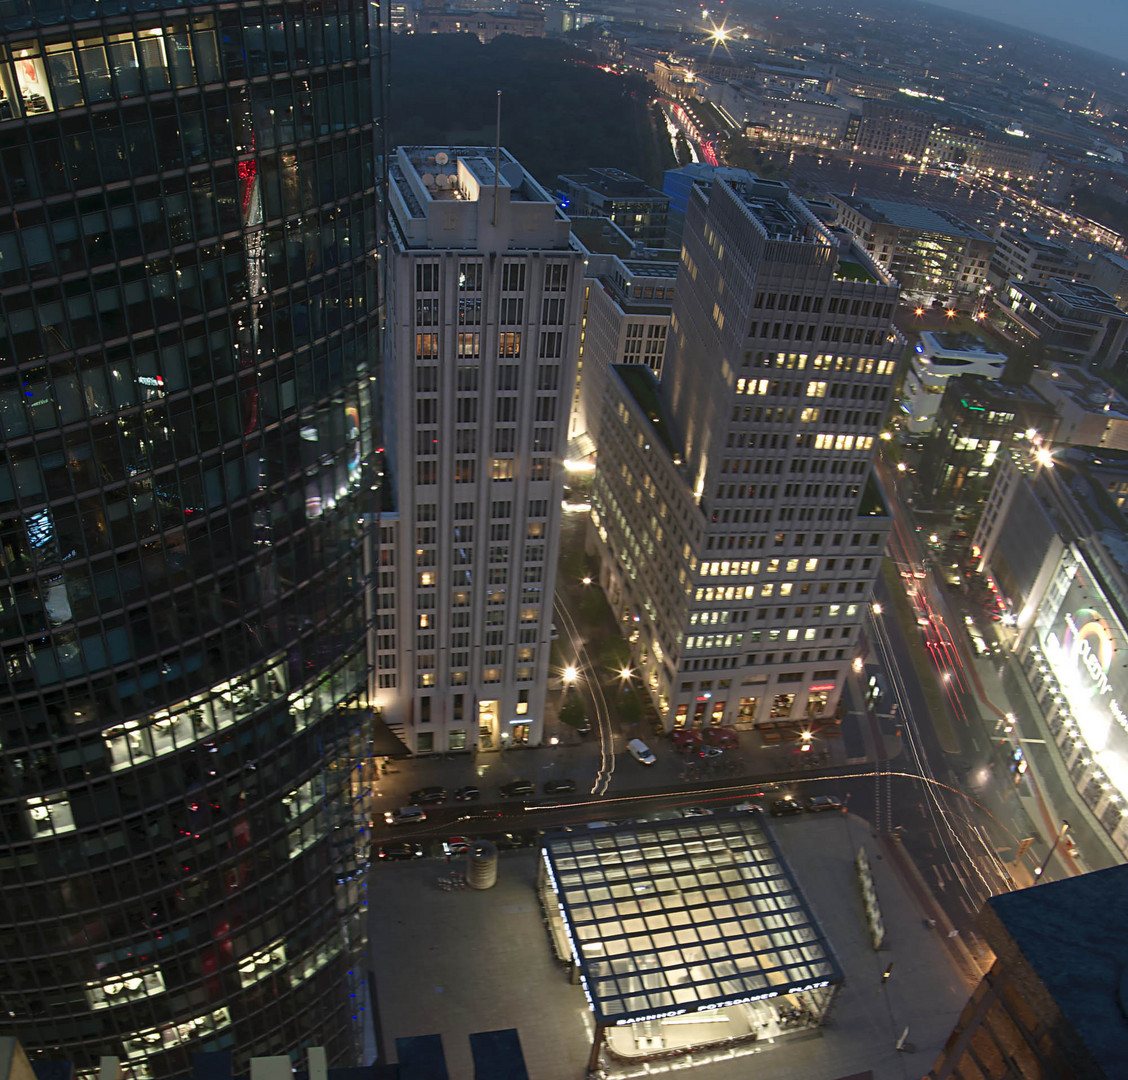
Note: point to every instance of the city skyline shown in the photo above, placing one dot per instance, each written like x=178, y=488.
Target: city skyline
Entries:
x=1099, y=25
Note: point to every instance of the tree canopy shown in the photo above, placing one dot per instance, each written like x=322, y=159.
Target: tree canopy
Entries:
x=559, y=111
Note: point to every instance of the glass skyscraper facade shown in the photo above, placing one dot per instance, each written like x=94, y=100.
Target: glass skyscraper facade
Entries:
x=188, y=351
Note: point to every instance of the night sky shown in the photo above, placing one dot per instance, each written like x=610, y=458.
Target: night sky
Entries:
x=1101, y=25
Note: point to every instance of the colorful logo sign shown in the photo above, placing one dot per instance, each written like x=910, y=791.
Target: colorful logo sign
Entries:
x=1089, y=646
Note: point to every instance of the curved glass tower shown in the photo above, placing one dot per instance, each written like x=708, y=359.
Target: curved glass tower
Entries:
x=188, y=342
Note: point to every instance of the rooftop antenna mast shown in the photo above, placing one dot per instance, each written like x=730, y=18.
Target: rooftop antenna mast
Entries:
x=497, y=158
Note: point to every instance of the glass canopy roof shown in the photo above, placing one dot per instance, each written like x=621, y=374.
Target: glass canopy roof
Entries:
x=672, y=917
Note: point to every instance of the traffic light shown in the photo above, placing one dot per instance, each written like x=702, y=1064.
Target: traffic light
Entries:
x=1023, y=847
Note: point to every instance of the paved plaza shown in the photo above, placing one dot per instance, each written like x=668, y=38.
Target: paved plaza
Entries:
x=457, y=962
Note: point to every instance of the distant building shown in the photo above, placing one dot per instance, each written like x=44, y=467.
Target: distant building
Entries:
x=632, y=204
x=1031, y=258
x=1073, y=318
x=1052, y=1003
x=439, y=17
x=779, y=116
x=1090, y=411
x=938, y=356
x=735, y=515
x=933, y=254
x=892, y=131
x=1109, y=271
x=484, y=307
x=951, y=144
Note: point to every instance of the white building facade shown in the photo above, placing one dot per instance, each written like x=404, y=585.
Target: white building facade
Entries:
x=938, y=356
x=739, y=528
x=484, y=298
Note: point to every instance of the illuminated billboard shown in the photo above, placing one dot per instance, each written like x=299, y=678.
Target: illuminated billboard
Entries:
x=1085, y=644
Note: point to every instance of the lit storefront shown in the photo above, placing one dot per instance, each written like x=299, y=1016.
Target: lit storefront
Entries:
x=1077, y=665
x=689, y=938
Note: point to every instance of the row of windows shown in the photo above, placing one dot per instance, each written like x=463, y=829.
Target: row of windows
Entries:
x=512, y=278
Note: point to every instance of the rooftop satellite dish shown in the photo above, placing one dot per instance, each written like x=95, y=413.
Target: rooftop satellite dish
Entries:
x=512, y=174
x=428, y=180
x=442, y=157
x=442, y=180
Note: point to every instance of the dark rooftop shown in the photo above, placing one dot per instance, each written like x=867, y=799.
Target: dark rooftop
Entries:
x=1074, y=936
x=643, y=387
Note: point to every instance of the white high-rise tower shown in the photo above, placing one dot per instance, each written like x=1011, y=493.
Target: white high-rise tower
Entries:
x=484, y=297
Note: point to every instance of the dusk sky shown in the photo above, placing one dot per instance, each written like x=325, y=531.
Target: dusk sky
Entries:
x=1101, y=25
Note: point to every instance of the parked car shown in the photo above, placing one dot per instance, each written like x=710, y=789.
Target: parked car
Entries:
x=559, y=787
x=427, y=795
x=686, y=740
x=724, y=737
x=816, y=804
x=400, y=849
x=406, y=815
x=786, y=807
x=517, y=787
x=641, y=752
x=469, y=793
x=711, y=752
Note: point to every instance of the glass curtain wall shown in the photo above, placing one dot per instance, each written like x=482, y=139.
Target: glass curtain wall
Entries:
x=188, y=351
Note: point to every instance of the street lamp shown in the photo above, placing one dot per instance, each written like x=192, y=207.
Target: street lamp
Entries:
x=1057, y=840
x=877, y=609
x=570, y=674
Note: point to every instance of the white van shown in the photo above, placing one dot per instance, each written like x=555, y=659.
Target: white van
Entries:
x=641, y=752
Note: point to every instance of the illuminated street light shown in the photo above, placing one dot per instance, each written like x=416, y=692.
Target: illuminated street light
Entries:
x=624, y=673
x=886, y=436
x=877, y=609
x=919, y=312
x=951, y=313
x=570, y=674
x=947, y=676
x=934, y=539
x=1044, y=458
x=902, y=467
x=586, y=581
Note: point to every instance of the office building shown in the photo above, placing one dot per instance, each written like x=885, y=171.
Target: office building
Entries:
x=937, y=356
x=977, y=422
x=934, y=255
x=632, y=204
x=628, y=297
x=484, y=300
x=1051, y=539
x=734, y=511
x=1052, y=1002
x=485, y=21
x=894, y=132
x=188, y=358
x=1074, y=319
x=1026, y=256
